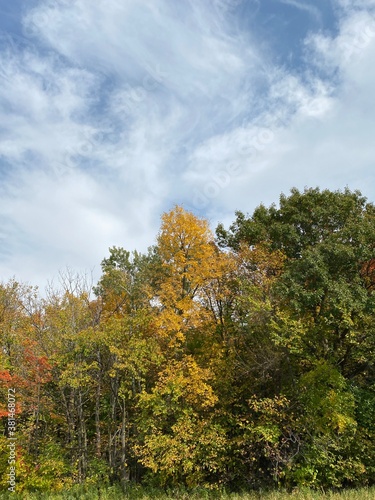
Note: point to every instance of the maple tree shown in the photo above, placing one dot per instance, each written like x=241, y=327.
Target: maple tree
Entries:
x=187, y=253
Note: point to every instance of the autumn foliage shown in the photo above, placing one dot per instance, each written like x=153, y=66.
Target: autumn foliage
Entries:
x=243, y=360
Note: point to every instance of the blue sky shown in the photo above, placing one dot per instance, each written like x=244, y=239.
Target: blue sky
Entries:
x=115, y=110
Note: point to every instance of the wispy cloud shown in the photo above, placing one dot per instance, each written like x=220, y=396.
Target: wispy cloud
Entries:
x=112, y=111
x=304, y=6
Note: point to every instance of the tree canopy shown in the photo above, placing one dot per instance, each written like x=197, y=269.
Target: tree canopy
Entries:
x=245, y=360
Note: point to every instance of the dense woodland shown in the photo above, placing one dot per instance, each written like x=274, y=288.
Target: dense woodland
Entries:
x=244, y=359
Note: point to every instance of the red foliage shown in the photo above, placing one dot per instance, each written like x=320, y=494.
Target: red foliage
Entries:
x=5, y=376
x=368, y=273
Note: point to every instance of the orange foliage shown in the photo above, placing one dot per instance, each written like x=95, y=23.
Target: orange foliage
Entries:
x=368, y=273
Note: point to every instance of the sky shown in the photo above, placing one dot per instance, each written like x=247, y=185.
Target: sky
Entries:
x=113, y=111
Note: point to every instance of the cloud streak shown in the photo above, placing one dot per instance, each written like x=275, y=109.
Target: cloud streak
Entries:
x=305, y=7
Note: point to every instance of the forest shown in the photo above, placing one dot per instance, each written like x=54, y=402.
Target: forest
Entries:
x=241, y=359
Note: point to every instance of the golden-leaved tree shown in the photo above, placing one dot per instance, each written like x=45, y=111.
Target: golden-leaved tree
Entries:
x=187, y=252
x=181, y=440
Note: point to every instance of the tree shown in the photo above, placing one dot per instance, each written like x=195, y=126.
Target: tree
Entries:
x=321, y=319
x=328, y=239
x=188, y=256
x=181, y=442
x=128, y=351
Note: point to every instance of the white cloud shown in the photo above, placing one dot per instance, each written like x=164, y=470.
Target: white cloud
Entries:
x=344, y=52
x=350, y=5
x=306, y=7
x=319, y=130
x=179, y=45
x=115, y=110
x=93, y=120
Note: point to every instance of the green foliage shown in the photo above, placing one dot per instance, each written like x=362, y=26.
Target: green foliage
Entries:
x=182, y=444
x=329, y=430
x=248, y=362
x=49, y=471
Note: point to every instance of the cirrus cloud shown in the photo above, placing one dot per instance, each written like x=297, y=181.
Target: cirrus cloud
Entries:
x=113, y=111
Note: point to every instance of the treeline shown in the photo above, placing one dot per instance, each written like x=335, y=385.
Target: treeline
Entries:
x=244, y=360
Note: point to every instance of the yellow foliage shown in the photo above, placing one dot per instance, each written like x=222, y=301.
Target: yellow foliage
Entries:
x=191, y=261
x=186, y=383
